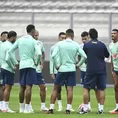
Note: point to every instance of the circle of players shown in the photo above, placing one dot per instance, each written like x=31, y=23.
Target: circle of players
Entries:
x=66, y=57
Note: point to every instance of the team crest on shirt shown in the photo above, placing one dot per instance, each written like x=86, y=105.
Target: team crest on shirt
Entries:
x=115, y=56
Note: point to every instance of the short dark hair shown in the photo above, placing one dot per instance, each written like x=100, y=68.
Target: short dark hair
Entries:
x=62, y=33
x=12, y=34
x=115, y=30
x=83, y=34
x=29, y=28
x=70, y=32
x=93, y=33
x=5, y=32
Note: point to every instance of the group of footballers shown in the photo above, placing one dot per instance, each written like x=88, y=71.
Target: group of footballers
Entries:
x=66, y=57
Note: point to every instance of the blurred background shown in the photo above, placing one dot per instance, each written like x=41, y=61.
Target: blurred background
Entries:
x=53, y=16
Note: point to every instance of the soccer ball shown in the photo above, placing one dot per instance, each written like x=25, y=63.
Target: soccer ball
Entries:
x=81, y=107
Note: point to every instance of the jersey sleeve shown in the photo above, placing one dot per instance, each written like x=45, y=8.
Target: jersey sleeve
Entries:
x=43, y=49
x=51, y=63
x=56, y=56
x=38, y=54
x=12, y=51
x=82, y=54
x=9, y=61
x=106, y=52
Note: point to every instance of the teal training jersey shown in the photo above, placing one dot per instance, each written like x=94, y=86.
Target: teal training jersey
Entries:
x=27, y=46
x=7, y=65
x=52, y=67
x=83, y=66
x=41, y=46
x=113, y=48
x=67, y=51
x=0, y=53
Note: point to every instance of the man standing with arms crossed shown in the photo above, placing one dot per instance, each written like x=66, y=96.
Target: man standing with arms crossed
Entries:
x=27, y=46
x=113, y=47
x=96, y=52
x=67, y=51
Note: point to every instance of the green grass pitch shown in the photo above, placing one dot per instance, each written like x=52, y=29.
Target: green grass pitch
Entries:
x=77, y=100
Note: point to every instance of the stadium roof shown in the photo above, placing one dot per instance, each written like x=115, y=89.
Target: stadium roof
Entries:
x=61, y=6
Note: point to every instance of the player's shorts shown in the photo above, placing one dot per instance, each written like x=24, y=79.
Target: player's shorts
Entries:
x=95, y=81
x=28, y=76
x=66, y=78
x=116, y=72
x=82, y=76
x=55, y=75
x=40, y=79
x=7, y=77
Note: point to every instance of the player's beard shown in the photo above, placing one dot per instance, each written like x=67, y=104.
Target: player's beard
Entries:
x=3, y=40
x=13, y=42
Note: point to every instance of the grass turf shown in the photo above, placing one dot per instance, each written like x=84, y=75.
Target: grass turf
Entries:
x=77, y=100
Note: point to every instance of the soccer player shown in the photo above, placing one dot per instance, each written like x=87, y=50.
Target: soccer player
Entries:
x=40, y=80
x=7, y=70
x=53, y=71
x=67, y=51
x=113, y=47
x=96, y=51
x=85, y=39
x=27, y=46
x=3, y=38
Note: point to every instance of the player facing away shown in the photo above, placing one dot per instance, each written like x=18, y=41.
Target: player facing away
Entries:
x=67, y=51
x=95, y=77
x=85, y=39
x=40, y=79
x=53, y=71
x=3, y=38
x=27, y=46
x=8, y=70
x=113, y=47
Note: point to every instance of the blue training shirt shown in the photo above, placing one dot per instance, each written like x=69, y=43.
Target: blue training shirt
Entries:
x=96, y=52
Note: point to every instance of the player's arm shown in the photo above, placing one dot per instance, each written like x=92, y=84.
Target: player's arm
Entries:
x=112, y=70
x=83, y=56
x=8, y=61
x=106, y=52
x=43, y=56
x=51, y=66
x=55, y=56
x=38, y=54
x=11, y=53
